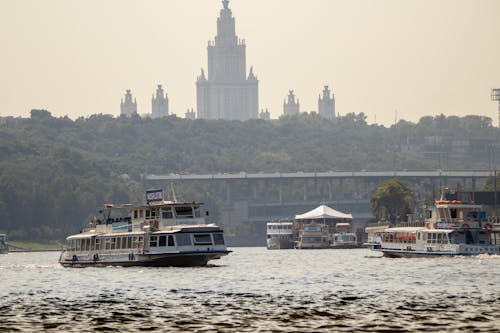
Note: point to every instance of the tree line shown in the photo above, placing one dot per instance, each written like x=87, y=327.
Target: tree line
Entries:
x=55, y=171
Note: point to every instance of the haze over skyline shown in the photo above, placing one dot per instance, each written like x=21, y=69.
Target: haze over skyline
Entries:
x=418, y=57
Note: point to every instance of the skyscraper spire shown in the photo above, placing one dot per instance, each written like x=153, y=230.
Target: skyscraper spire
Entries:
x=225, y=3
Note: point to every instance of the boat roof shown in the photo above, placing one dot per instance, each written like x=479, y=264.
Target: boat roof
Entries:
x=279, y=223
x=153, y=204
x=323, y=212
x=86, y=235
x=404, y=229
x=456, y=204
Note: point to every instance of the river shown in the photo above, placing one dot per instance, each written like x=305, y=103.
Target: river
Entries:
x=254, y=289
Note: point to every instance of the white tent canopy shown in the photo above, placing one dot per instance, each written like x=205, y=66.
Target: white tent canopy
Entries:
x=323, y=212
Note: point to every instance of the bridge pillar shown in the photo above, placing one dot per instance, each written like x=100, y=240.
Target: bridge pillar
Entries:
x=305, y=190
x=228, y=192
x=280, y=188
x=329, y=184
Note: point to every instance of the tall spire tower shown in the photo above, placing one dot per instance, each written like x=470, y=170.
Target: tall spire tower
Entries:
x=227, y=92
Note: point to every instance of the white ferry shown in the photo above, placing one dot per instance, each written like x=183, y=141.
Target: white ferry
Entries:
x=4, y=248
x=157, y=234
x=343, y=238
x=313, y=236
x=280, y=235
x=451, y=228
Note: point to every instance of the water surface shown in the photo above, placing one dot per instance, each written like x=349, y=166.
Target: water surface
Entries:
x=254, y=289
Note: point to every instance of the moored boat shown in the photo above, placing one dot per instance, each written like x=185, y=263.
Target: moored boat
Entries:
x=159, y=233
x=280, y=235
x=4, y=248
x=313, y=236
x=343, y=238
x=451, y=228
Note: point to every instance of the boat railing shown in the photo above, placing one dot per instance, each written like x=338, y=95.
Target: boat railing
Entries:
x=493, y=219
x=412, y=224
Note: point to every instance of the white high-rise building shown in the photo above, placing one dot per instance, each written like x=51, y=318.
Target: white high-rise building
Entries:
x=127, y=107
x=290, y=106
x=227, y=92
x=326, y=104
x=159, y=103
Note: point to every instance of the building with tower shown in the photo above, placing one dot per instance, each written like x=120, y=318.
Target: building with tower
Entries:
x=127, y=107
x=265, y=115
x=326, y=104
x=290, y=106
x=190, y=114
x=226, y=92
x=159, y=103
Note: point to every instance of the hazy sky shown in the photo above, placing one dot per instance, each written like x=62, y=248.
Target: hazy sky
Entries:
x=419, y=57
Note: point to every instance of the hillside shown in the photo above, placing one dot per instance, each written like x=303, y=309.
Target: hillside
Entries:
x=54, y=172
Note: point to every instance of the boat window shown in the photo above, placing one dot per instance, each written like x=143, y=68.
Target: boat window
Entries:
x=163, y=240
x=135, y=242
x=148, y=213
x=129, y=242
x=153, y=241
x=141, y=213
x=153, y=213
x=184, y=212
x=97, y=244
x=166, y=213
x=197, y=212
x=113, y=243
x=135, y=213
x=170, y=240
x=183, y=239
x=124, y=242
x=453, y=213
x=204, y=239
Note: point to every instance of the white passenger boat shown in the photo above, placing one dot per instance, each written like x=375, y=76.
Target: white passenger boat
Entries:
x=280, y=235
x=4, y=248
x=157, y=234
x=313, y=236
x=451, y=228
x=343, y=238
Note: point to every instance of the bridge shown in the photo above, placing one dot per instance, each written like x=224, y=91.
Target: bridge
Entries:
x=439, y=174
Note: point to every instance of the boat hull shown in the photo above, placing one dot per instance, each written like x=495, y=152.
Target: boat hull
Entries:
x=280, y=243
x=392, y=253
x=152, y=260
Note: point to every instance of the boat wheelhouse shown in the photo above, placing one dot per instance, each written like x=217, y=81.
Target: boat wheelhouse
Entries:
x=450, y=228
x=4, y=248
x=280, y=235
x=157, y=234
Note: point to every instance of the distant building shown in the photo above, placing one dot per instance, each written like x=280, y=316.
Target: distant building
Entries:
x=127, y=107
x=326, y=104
x=227, y=92
x=265, y=115
x=190, y=114
x=159, y=103
x=290, y=106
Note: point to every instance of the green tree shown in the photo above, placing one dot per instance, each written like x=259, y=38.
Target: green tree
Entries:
x=390, y=198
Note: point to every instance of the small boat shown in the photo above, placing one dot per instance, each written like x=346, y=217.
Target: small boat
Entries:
x=343, y=238
x=4, y=248
x=451, y=228
x=280, y=235
x=160, y=233
x=313, y=236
